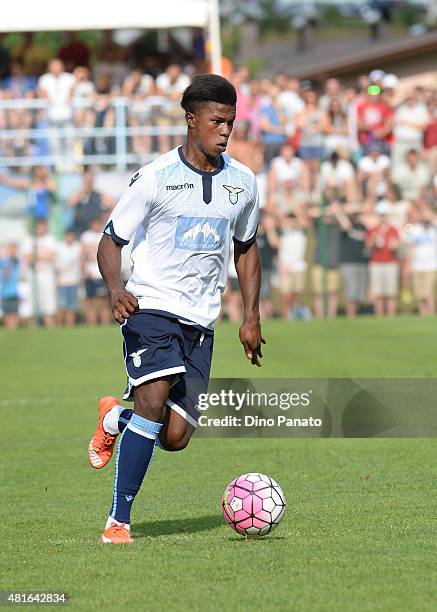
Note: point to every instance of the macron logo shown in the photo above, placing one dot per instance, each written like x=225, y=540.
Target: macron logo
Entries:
x=178, y=187
x=129, y=498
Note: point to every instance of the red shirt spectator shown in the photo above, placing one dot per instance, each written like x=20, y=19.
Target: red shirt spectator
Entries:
x=430, y=139
x=430, y=134
x=374, y=121
x=381, y=240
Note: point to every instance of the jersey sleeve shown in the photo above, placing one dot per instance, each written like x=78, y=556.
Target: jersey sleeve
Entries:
x=132, y=208
x=247, y=223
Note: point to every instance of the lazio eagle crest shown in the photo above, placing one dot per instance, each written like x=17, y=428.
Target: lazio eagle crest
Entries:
x=233, y=193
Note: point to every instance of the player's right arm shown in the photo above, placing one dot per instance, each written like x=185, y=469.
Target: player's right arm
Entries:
x=129, y=213
x=123, y=303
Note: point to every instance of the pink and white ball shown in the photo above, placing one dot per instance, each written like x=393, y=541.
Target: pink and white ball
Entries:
x=253, y=504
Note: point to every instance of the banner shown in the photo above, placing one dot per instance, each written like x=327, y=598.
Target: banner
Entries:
x=318, y=408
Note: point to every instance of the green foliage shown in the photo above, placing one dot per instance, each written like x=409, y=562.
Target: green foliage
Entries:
x=272, y=19
x=231, y=40
x=408, y=15
x=52, y=40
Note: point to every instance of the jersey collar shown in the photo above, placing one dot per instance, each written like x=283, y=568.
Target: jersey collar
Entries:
x=191, y=167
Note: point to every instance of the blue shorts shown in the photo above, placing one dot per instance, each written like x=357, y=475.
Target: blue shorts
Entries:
x=68, y=297
x=307, y=152
x=158, y=344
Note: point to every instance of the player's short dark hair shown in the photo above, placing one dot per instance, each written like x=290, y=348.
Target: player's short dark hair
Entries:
x=208, y=88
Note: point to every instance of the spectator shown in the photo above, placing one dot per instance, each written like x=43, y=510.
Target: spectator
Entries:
x=288, y=182
x=422, y=263
x=411, y=176
x=353, y=260
x=68, y=261
x=325, y=274
x=83, y=95
x=138, y=87
x=255, y=103
x=57, y=87
x=232, y=295
x=383, y=241
x=243, y=149
x=311, y=123
x=397, y=208
x=430, y=136
x=40, y=254
x=332, y=94
x=96, y=301
x=105, y=114
x=409, y=123
x=9, y=286
x=272, y=122
x=336, y=128
x=375, y=122
x=292, y=263
x=171, y=85
x=238, y=79
x=17, y=118
x=337, y=179
x=373, y=172
x=290, y=101
x=389, y=86
x=18, y=84
x=88, y=204
x=41, y=190
x=268, y=243
x=172, y=82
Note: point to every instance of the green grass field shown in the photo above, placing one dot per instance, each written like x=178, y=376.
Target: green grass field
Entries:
x=360, y=528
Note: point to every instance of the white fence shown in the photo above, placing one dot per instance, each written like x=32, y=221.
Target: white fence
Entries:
x=93, y=135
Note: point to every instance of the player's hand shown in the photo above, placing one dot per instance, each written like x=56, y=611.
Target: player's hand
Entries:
x=123, y=304
x=251, y=339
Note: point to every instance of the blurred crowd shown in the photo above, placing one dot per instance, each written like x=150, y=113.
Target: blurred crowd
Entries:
x=81, y=90
x=347, y=177
x=57, y=281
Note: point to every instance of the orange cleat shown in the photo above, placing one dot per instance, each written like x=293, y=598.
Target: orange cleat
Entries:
x=116, y=534
x=102, y=444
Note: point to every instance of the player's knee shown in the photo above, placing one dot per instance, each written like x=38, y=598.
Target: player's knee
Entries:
x=148, y=408
x=174, y=443
x=152, y=412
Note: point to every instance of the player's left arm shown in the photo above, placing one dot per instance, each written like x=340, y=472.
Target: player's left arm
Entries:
x=248, y=266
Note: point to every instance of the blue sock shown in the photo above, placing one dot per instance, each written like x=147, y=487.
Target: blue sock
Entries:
x=123, y=421
x=124, y=418
x=134, y=454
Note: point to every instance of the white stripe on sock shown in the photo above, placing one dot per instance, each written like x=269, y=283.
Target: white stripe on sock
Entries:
x=140, y=432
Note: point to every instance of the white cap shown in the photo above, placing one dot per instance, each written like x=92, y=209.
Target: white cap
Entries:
x=390, y=81
x=376, y=75
x=382, y=208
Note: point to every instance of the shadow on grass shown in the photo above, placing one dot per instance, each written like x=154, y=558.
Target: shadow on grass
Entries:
x=265, y=539
x=154, y=529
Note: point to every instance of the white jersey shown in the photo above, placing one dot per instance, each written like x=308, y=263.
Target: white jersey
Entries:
x=182, y=221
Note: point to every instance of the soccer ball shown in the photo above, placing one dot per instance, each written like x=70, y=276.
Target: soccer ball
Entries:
x=253, y=504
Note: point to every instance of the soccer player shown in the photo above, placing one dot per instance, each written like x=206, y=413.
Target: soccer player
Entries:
x=181, y=211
